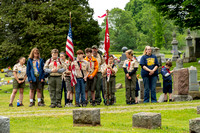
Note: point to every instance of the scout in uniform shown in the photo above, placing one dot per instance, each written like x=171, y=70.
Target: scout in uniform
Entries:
x=91, y=80
x=130, y=67
x=98, y=85
x=55, y=68
x=35, y=75
x=167, y=80
x=19, y=72
x=68, y=83
x=82, y=68
x=63, y=88
x=110, y=71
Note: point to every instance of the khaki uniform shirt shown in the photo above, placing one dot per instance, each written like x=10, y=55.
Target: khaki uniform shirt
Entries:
x=50, y=65
x=104, y=67
x=133, y=64
x=20, y=70
x=100, y=60
x=84, y=67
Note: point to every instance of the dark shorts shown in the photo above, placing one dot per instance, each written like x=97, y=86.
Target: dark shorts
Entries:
x=36, y=85
x=90, y=85
x=136, y=93
x=167, y=87
x=16, y=85
x=68, y=84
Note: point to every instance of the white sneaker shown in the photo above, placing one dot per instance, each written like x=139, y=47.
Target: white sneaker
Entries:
x=67, y=105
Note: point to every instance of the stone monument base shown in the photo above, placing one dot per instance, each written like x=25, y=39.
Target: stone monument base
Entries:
x=195, y=94
x=178, y=98
x=189, y=59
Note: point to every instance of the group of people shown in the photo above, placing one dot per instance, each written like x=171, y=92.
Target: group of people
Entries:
x=93, y=76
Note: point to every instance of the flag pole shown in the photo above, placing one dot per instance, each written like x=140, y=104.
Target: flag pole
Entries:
x=70, y=16
x=107, y=64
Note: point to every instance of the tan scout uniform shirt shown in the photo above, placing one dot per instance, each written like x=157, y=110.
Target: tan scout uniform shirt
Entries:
x=20, y=70
x=100, y=60
x=84, y=67
x=50, y=65
x=130, y=64
x=104, y=67
x=67, y=64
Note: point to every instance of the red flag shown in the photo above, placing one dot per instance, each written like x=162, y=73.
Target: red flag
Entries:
x=102, y=16
x=107, y=42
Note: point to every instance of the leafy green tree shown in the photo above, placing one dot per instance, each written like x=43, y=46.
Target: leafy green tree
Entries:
x=185, y=13
x=44, y=24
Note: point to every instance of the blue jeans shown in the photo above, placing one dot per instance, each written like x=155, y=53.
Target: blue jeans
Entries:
x=150, y=85
x=80, y=90
x=65, y=90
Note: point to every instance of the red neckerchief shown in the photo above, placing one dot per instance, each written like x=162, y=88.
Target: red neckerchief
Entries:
x=55, y=63
x=70, y=68
x=166, y=69
x=129, y=64
x=80, y=64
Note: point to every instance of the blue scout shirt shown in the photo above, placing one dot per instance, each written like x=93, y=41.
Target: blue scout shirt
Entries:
x=166, y=74
x=150, y=62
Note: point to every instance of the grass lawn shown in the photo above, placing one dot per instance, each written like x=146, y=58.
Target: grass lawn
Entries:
x=117, y=118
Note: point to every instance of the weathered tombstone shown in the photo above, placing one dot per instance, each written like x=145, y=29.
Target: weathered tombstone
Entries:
x=174, y=47
x=197, y=47
x=189, y=52
x=181, y=82
x=194, y=125
x=5, y=70
x=178, y=98
x=193, y=83
x=87, y=116
x=118, y=86
x=141, y=85
x=9, y=73
x=0, y=78
x=123, y=57
x=198, y=109
x=179, y=64
x=4, y=124
x=146, y=120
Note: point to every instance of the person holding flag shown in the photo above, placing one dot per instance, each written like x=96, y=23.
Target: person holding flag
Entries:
x=109, y=71
x=55, y=68
x=130, y=67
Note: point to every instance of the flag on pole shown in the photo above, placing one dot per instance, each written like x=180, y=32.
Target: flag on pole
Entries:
x=70, y=53
x=107, y=42
x=102, y=16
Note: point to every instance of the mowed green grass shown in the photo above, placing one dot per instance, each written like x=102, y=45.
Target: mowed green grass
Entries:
x=117, y=118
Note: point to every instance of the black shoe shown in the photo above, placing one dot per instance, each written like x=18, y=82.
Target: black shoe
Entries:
x=129, y=103
x=10, y=105
x=93, y=103
x=170, y=100
x=132, y=102
x=98, y=103
x=31, y=104
x=52, y=106
x=165, y=100
x=77, y=105
x=41, y=104
x=59, y=105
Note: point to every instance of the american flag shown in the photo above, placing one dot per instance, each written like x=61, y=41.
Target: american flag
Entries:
x=70, y=53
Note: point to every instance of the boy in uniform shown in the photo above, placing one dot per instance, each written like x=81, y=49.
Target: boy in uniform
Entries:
x=55, y=68
x=82, y=69
x=110, y=71
x=91, y=80
x=130, y=67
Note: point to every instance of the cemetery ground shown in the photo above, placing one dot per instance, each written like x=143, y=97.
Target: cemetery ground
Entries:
x=116, y=118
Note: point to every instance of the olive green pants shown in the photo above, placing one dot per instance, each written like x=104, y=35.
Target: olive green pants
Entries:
x=130, y=85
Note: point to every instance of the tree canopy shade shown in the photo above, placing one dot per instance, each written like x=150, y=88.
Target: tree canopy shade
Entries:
x=44, y=24
x=184, y=12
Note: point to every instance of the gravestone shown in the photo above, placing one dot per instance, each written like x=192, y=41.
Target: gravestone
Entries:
x=194, y=125
x=146, y=120
x=189, y=52
x=178, y=98
x=123, y=57
x=181, y=82
x=86, y=116
x=5, y=70
x=174, y=43
x=141, y=85
x=198, y=109
x=118, y=86
x=197, y=47
x=193, y=83
x=9, y=74
x=179, y=64
x=4, y=124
